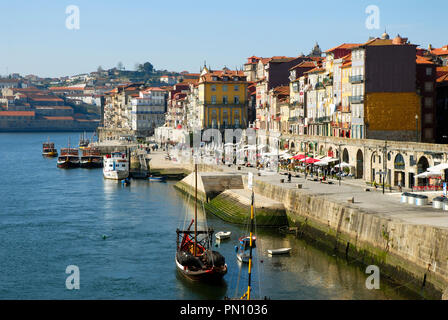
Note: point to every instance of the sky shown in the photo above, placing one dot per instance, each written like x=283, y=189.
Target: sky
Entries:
x=182, y=35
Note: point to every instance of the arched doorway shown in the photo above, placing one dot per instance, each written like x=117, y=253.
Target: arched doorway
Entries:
x=292, y=146
x=399, y=168
x=422, y=165
x=330, y=152
x=359, y=164
x=345, y=157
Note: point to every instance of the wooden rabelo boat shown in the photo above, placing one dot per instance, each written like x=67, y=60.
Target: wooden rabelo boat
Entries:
x=194, y=259
x=91, y=158
x=69, y=158
x=48, y=149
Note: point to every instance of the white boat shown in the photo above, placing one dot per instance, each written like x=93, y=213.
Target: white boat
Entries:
x=279, y=251
x=116, y=166
x=221, y=235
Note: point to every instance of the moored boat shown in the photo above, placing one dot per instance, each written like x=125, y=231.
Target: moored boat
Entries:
x=221, y=235
x=83, y=141
x=157, y=179
x=115, y=166
x=48, y=149
x=91, y=158
x=69, y=158
x=194, y=259
x=279, y=251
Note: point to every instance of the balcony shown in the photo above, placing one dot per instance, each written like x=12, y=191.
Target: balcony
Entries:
x=319, y=85
x=323, y=119
x=328, y=82
x=356, y=99
x=356, y=79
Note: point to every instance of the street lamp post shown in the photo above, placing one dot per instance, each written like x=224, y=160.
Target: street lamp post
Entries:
x=340, y=165
x=416, y=128
x=384, y=163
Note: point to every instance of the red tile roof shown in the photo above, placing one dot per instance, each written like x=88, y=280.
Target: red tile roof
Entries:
x=59, y=118
x=281, y=91
x=17, y=114
x=423, y=60
x=222, y=73
x=66, y=88
x=440, y=71
x=305, y=64
x=344, y=46
x=443, y=78
x=440, y=51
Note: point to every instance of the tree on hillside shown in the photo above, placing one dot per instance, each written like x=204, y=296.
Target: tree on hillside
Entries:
x=120, y=66
x=100, y=69
x=146, y=68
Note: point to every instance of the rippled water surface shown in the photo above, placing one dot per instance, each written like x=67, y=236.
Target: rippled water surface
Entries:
x=51, y=218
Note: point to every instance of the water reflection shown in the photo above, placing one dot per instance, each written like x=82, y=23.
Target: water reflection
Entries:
x=306, y=273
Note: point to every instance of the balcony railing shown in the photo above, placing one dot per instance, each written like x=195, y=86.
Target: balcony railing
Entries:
x=356, y=79
x=323, y=119
x=356, y=99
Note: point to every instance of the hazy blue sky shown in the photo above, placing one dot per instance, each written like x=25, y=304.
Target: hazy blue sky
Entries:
x=180, y=35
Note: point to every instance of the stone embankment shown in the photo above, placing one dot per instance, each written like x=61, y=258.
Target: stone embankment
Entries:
x=408, y=243
x=224, y=195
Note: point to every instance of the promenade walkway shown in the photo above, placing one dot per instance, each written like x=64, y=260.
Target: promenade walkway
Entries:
x=371, y=202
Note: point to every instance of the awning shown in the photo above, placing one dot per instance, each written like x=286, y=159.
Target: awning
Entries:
x=343, y=165
x=429, y=174
x=439, y=167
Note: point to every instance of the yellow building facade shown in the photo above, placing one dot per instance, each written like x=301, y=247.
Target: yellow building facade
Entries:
x=222, y=99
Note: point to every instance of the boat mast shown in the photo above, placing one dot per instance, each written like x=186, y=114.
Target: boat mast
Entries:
x=251, y=234
x=195, y=206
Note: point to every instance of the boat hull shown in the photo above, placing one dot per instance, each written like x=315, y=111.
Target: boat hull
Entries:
x=91, y=163
x=243, y=257
x=222, y=235
x=209, y=275
x=116, y=175
x=279, y=251
x=68, y=164
x=157, y=179
x=50, y=154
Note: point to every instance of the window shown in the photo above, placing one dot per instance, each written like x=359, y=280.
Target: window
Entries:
x=428, y=133
x=224, y=100
x=429, y=86
x=224, y=88
x=213, y=99
x=428, y=118
x=428, y=102
x=215, y=78
x=429, y=71
x=236, y=100
x=236, y=88
x=213, y=87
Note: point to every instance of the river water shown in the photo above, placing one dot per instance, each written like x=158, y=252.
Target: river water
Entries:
x=123, y=239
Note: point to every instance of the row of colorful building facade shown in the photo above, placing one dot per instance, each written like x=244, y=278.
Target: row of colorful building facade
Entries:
x=387, y=89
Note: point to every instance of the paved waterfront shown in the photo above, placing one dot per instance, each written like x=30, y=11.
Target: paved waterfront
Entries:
x=372, y=202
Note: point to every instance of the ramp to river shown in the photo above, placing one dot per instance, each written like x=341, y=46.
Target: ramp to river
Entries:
x=224, y=196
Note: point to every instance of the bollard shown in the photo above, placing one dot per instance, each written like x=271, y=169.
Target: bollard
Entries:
x=299, y=186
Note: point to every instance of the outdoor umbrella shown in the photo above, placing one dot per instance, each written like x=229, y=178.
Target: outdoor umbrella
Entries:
x=298, y=156
x=429, y=174
x=309, y=160
x=343, y=165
